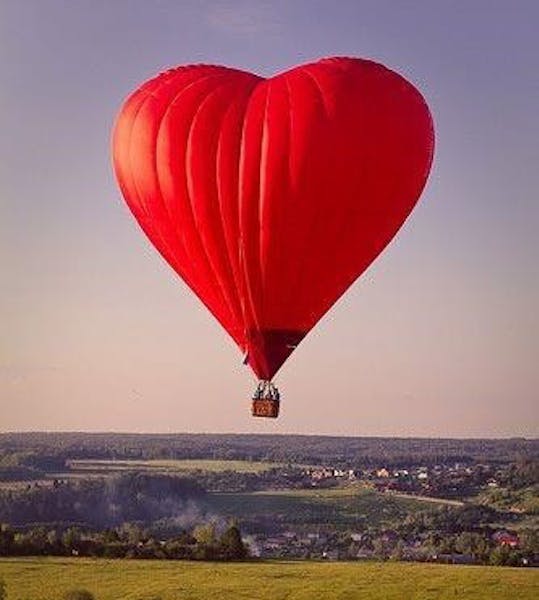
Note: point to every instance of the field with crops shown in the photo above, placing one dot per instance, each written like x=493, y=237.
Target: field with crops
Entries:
x=49, y=579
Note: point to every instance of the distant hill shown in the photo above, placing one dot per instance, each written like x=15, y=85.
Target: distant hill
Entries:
x=304, y=449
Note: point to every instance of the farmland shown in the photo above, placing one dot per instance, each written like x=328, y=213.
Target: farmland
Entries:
x=48, y=579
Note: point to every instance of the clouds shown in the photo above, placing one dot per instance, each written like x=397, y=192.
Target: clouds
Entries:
x=242, y=18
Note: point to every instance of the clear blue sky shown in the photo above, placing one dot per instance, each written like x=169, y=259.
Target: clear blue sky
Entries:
x=440, y=336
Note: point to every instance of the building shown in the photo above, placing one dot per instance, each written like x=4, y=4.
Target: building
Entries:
x=505, y=538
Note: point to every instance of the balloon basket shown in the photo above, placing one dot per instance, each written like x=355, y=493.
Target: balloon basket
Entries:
x=265, y=407
x=266, y=400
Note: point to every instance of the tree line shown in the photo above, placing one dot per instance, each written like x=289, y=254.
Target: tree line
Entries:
x=203, y=542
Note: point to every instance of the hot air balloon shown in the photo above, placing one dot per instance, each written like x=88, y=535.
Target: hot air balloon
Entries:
x=270, y=196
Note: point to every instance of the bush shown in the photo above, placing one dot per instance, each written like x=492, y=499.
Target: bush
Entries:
x=79, y=595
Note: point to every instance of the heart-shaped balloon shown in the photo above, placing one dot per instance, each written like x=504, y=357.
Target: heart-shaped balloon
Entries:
x=270, y=197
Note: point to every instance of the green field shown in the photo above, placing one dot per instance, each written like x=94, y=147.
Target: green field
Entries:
x=104, y=466
x=350, y=507
x=49, y=579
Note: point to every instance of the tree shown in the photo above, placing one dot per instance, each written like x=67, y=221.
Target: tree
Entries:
x=132, y=533
x=53, y=539
x=71, y=538
x=529, y=541
x=379, y=548
x=231, y=544
x=398, y=552
x=499, y=555
x=205, y=534
x=472, y=543
x=7, y=537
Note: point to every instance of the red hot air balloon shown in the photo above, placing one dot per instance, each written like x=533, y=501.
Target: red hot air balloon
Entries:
x=270, y=197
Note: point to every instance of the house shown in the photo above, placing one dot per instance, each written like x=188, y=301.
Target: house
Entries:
x=322, y=474
x=505, y=538
x=401, y=473
x=382, y=472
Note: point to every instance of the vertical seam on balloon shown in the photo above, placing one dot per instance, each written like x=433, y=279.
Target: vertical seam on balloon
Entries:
x=288, y=113
x=165, y=114
x=204, y=253
x=181, y=271
x=261, y=194
x=217, y=280
x=308, y=235
x=318, y=87
x=130, y=166
x=289, y=137
x=321, y=92
x=130, y=162
x=241, y=246
x=306, y=71
x=235, y=289
x=164, y=204
x=240, y=232
x=129, y=138
x=233, y=294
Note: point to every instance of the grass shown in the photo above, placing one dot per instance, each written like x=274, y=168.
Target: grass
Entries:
x=50, y=578
x=104, y=466
x=353, y=506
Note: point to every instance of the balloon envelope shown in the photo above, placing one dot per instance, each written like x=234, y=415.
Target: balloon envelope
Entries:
x=270, y=197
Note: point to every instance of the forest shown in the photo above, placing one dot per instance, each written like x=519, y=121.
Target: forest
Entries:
x=48, y=451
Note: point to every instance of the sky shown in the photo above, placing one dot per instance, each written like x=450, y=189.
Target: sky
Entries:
x=439, y=338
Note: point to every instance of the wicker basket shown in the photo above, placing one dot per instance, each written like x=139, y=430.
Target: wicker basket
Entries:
x=265, y=407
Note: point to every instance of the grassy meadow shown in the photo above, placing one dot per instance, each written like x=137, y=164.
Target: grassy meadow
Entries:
x=350, y=507
x=50, y=578
x=186, y=465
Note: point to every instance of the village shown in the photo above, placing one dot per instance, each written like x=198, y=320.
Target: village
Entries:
x=462, y=487
x=456, y=480
x=364, y=546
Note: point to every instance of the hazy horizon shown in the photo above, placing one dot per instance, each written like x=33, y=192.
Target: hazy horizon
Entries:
x=261, y=433
x=439, y=338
